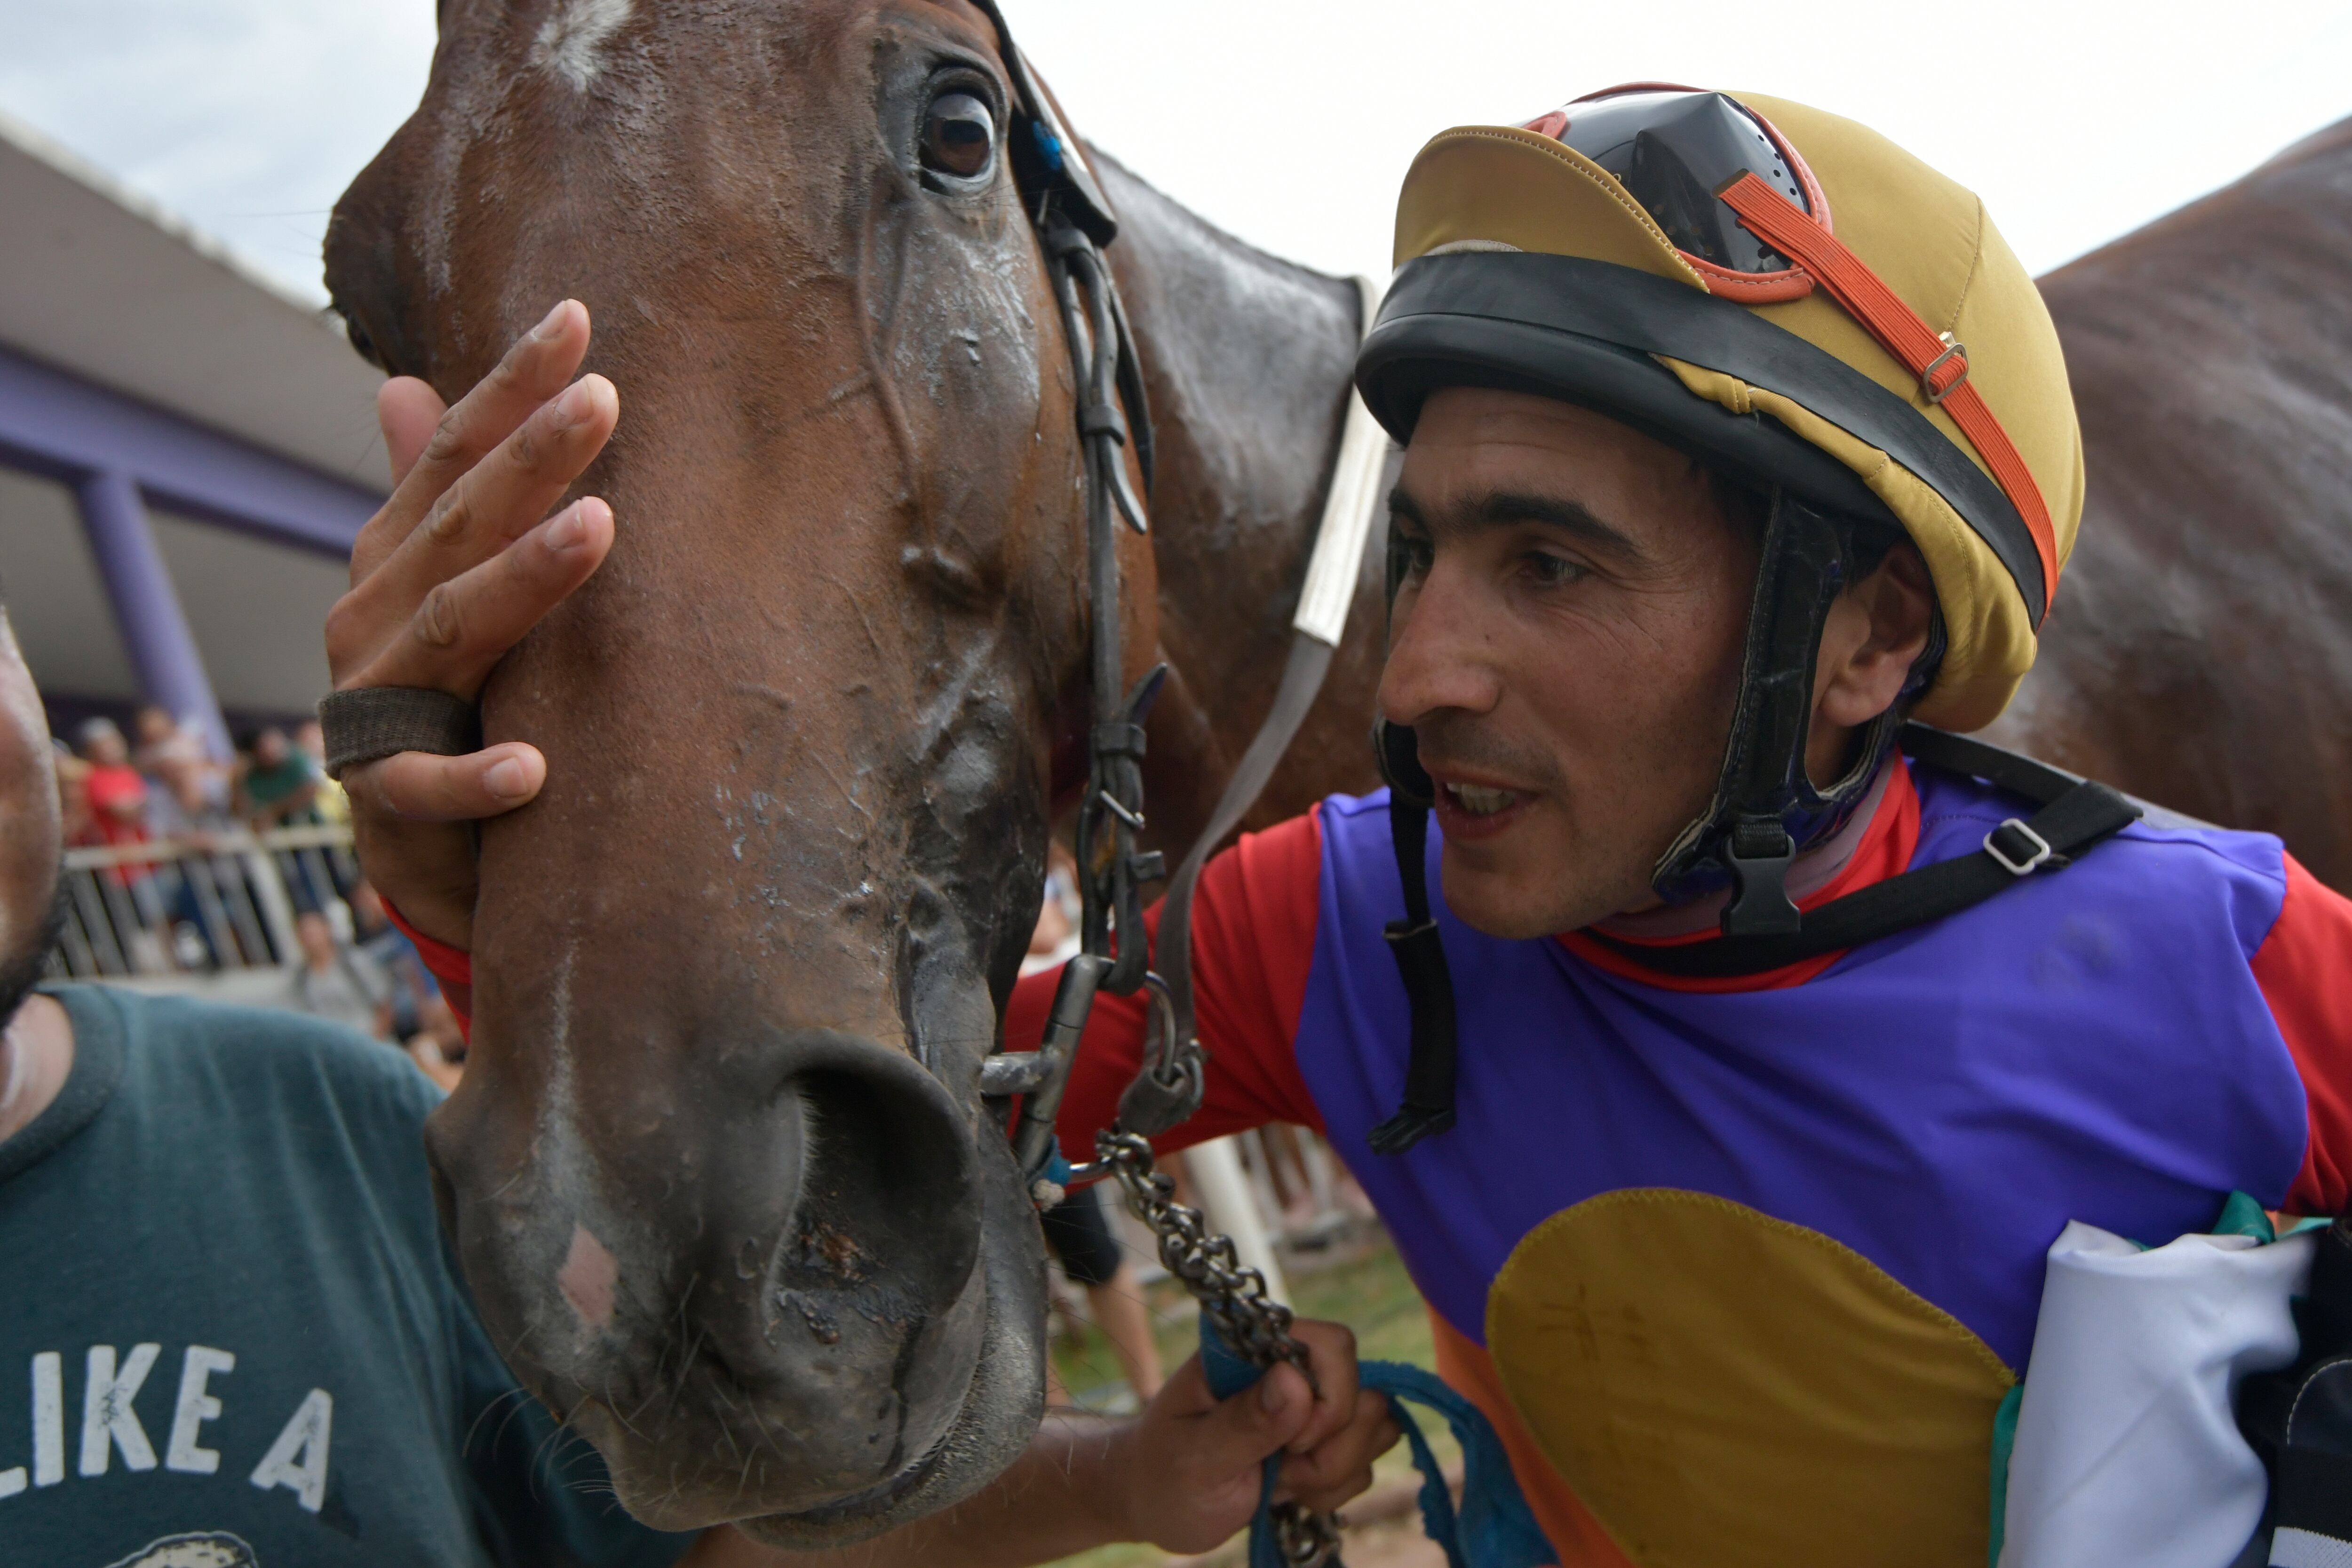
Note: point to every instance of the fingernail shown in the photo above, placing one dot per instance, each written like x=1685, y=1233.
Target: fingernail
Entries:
x=506, y=779
x=573, y=405
x=569, y=528
x=552, y=323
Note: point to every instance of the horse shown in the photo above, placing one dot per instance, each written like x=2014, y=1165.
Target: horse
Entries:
x=719, y=1173
x=809, y=726
x=2200, y=652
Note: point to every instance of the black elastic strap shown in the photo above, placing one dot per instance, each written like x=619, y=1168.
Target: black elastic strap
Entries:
x=2077, y=814
x=1799, y=577
x=1428, y=1105
x=368, y=722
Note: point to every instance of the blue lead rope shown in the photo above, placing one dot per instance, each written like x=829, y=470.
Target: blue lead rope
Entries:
x=1493, y=1528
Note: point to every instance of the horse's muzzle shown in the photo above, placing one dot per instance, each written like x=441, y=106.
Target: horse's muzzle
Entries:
x=752, y=1308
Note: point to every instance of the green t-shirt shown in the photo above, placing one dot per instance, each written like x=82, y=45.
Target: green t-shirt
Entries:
x=268, y=786
x=230, y=1333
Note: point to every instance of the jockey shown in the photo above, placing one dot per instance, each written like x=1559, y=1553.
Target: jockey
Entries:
x=1727, y=1140
x=1729, y=1061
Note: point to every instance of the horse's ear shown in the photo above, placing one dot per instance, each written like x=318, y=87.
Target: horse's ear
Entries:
x=1046, y=159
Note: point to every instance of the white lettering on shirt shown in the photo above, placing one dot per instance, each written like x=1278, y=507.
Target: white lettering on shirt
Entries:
x=48, y=1419
x=194, y=1408
x=297, y=1459
x=108, y=1421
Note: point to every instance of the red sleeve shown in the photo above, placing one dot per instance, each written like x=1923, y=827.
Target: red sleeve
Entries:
x=2304, y=968
x=453, y=968
x=1252, y=939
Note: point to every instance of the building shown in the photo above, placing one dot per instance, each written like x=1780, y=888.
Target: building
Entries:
x=186, y=452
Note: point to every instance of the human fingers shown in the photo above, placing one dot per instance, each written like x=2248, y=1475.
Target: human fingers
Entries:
x=1191, y=1462
x=406, y=410
x=534, y=370
x=501, y=498
x=417, y=786
x=463, y=626
x=1340, y=1466
x=1331, y=1358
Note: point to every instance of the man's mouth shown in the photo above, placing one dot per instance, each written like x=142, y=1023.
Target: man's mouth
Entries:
x=1471, y=812
x=1480, y=800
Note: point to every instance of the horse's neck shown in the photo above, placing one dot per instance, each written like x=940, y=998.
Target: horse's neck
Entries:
x=1247, y=362
x=1248, y=359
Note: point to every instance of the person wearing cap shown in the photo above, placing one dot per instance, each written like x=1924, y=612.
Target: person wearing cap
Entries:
x=1729, y=1060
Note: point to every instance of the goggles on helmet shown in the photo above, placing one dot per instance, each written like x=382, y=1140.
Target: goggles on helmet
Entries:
x=1673, y=149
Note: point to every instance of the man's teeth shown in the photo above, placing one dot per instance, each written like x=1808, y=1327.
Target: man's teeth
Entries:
x=1480, y=801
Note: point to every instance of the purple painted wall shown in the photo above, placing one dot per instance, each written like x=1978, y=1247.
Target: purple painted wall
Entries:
x=119, y=453
x=154, y=628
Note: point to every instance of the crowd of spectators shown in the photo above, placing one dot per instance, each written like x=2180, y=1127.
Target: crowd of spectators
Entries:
x=170, y=786
x=168, y=791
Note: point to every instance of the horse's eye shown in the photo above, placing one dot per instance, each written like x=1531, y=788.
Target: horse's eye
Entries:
x=958, y=135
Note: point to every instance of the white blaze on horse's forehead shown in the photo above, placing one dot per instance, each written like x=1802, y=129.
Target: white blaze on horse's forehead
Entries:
x=571, y=37
x=590, y=1272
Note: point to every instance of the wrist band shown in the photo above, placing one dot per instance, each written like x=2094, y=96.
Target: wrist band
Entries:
x=368, y=722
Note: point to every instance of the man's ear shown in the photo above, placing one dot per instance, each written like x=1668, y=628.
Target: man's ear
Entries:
x=1876, y=632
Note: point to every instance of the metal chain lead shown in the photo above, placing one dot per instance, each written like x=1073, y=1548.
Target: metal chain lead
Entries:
x=1234, y=1298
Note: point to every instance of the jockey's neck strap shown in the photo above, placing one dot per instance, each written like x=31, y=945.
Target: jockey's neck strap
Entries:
x=2076, y=814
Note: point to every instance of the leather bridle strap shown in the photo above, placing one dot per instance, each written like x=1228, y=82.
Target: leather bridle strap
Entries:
x=1073, y=221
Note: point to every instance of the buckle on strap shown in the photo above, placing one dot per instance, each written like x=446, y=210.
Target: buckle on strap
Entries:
x=1952, y=350
x=2032, y=849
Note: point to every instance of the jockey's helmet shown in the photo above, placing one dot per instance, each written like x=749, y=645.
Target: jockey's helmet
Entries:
x=1809, y=310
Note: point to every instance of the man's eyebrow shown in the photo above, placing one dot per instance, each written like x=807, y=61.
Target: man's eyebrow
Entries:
x=1502, y=509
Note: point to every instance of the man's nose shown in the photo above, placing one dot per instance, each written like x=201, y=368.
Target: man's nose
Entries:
x=1442, y=652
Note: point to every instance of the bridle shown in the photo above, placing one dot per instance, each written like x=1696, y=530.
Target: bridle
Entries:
x=1073, y=222
x=1251, y=1330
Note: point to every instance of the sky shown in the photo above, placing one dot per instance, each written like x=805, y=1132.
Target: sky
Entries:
x=1286, y=122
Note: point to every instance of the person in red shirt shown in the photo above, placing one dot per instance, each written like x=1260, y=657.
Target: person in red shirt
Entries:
x=114, y=790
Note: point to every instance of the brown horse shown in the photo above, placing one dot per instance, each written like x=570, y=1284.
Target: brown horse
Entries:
x=717, y=1174
x=2199, y=654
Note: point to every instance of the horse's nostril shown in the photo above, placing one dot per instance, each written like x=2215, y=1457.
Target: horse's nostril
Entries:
x=888, y=1216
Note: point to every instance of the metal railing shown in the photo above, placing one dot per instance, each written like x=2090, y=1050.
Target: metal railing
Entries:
x=221, y=903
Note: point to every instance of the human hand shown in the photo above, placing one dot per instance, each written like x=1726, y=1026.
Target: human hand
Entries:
x=452, y=573
x=1188, y=1466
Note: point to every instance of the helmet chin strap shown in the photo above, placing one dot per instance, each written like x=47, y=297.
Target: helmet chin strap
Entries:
x=1766, y=809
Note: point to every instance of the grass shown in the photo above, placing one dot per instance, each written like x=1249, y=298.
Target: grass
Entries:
x=1363, y=1285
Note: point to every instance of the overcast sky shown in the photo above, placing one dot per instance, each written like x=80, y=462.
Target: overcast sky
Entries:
x=1285, y=120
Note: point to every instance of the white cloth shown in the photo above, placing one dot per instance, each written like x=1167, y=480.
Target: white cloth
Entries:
x=2127, y=1451
x=2301, y=1549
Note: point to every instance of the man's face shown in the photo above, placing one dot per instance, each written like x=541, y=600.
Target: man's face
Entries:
x=1567, y=644
x=30, y=837
x=270, y=748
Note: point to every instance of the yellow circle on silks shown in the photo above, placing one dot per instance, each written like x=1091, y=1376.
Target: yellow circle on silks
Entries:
x=1726, y=1390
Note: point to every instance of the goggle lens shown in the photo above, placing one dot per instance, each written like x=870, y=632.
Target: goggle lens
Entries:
x=1671, y=151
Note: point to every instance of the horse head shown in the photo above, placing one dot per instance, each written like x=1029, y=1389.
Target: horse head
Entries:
x=719, y=1173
